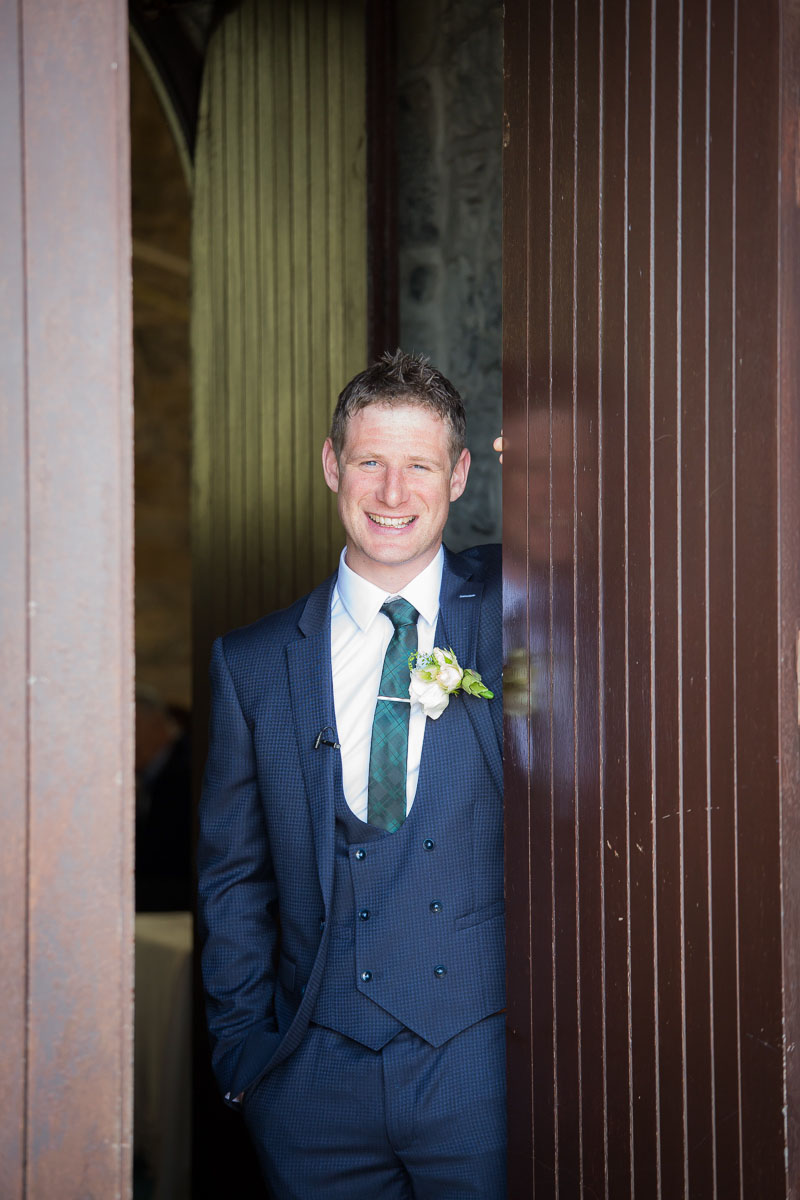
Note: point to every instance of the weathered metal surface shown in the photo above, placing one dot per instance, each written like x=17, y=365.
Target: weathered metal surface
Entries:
x=651, y=783
x=67, y=530
x=13, y=615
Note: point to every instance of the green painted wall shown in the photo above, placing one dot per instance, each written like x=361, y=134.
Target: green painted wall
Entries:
x=279, y=261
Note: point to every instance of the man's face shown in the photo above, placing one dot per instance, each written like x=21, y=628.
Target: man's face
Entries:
x=394, y=486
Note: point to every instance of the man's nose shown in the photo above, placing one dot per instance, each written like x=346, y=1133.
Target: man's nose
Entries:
x=394, y=488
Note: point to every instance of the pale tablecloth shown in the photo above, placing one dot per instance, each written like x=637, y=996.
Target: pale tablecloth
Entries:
x=162, y=1062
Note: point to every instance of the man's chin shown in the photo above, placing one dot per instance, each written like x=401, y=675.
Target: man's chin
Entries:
x=373, y=561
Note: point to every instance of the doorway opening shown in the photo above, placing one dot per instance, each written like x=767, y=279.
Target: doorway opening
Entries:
x=431, y=232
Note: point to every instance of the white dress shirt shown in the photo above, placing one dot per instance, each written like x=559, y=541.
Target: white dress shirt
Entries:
x=360, y=634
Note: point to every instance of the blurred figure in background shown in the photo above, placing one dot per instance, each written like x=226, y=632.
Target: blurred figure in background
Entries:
x=163, y=806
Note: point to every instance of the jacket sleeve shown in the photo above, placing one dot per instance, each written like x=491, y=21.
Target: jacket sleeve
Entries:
x=237, y=894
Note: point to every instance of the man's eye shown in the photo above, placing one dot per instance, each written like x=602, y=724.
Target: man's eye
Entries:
x=369, y=462
x=420, y=467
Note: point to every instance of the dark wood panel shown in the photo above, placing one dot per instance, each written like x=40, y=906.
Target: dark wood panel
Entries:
x=589, y=855
x=755, y=581
x=723, y=897
x=695, y=798
x=561, y=607
x=669, y=1047
x=538, y=647
x=789, y=567
x=649, y=763
x=517, y=682
x=612, y=583
x=639, y=494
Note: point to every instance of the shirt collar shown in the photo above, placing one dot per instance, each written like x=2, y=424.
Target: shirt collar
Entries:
x=363, y=600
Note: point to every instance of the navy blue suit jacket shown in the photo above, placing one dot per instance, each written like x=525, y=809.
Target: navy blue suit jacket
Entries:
x=266, y=848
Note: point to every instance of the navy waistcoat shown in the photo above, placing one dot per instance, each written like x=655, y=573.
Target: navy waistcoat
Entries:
x=417, y=931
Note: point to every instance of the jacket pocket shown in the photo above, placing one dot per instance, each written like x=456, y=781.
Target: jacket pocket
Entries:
x=291, y=978
x=487, y=913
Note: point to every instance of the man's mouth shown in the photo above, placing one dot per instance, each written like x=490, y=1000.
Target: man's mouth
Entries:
x=390, y=522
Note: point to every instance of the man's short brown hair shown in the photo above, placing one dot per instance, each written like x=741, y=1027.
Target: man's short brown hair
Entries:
x=401, y=378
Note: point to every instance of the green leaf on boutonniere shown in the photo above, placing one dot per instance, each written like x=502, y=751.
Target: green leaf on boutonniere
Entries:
x=473, y=685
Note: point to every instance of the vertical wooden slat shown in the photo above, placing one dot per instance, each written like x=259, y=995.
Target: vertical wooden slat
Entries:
x=650, y=359
x=789, y=552
x=561, y=588
x=518, y=676
x=721, y=647
x=666, y=832
x=641, y=841
x=537, y=424
x=760, y=979
x=586, y=352
x=615, y=793
x=693, y=320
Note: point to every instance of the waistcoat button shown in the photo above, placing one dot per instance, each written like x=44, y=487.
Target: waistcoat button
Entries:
x=436, y=906
x=428, y=844
x=440, y=972
x=361, y=854
x=366, y=976
x=364, y=914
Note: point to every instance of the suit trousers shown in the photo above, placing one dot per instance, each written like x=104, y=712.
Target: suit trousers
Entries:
x=408, y=1122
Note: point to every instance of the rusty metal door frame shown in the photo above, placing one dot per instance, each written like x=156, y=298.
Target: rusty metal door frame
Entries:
x=66, y=609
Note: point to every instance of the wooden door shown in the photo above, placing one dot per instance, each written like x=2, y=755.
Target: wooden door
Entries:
x=651, y=565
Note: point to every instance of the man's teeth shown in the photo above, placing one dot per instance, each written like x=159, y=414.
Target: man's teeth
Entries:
x=392, y=522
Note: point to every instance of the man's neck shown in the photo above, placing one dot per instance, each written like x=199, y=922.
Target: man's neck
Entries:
x=390, y=577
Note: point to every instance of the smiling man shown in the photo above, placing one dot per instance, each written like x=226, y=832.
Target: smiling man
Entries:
x=350, y=855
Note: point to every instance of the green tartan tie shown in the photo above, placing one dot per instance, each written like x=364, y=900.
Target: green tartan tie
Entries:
x=388, y=755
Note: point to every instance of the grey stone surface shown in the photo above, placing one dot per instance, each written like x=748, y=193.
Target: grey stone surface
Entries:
x=449, y=133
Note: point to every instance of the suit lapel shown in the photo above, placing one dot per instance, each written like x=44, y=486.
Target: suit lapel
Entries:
x=311, y=690
x=457, y=627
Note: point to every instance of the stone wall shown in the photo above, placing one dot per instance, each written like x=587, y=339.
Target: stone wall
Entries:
x=449, y=135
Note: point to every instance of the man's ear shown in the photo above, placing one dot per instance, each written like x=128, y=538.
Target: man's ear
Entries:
x=330, y=465
x=458, y=479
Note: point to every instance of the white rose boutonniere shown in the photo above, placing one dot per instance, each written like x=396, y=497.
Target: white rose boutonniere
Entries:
x=437, y=676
